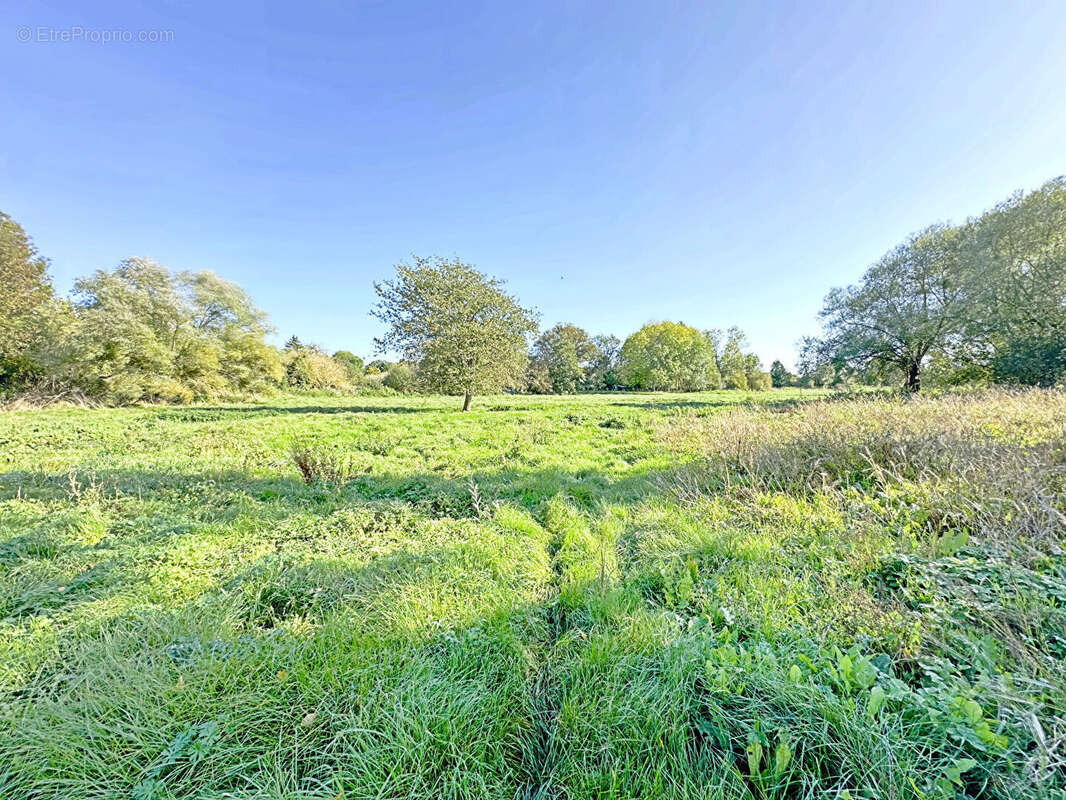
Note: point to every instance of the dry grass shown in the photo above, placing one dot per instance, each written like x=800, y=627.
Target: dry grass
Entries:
x=998, y=457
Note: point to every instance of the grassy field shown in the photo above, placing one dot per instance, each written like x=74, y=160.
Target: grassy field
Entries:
x=717, y=595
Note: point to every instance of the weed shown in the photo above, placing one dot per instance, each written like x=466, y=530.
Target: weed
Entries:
x=325, y=464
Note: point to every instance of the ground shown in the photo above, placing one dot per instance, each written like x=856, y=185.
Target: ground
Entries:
x=718, y=595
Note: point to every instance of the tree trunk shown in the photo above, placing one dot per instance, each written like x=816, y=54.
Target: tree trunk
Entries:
x=913, y=383
x=468, y=400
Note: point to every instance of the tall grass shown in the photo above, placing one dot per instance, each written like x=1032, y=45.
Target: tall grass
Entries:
x=1001, y=454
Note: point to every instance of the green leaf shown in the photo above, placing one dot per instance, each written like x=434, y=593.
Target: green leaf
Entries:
x=954, y=772
x=971, y=711
x=754, y=751
x=782, y=758
x=864, y=674
x=876, y=701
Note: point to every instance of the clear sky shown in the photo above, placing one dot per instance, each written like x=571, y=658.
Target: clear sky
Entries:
x=616, y=162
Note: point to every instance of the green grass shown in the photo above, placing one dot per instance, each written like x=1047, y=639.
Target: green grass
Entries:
x=716, y=595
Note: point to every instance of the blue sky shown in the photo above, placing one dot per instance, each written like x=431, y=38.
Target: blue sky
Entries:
x=615, y=162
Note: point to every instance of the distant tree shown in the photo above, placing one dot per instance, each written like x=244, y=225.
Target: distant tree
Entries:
x=141, y=332
x=25, y=293
x=377, y=367
x=352, y=364
x=293, y=343
x=602, y=371
x=308, y=367
x=400, y=378
x=537, y=379
x=913, y=301
x=780, y=376
x=466, y=335
x=669, y=355
x=758, y=381
x=821, y=376
x=563, y=353
x=732, y=362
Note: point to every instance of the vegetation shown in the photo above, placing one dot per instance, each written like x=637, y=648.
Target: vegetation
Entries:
x=24, y=295
x=465, y=333
x=719, y=595
x=974, y=304
x=141, y=332
x=674, y=356
x=308, y=366
x=400, y=378
x=561, y=357
x=983, y=301
x=670, y=355
x=780, y=376
x=353, y=365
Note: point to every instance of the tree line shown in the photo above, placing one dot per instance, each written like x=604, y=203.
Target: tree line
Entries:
x=143, y=333
x=980, y=302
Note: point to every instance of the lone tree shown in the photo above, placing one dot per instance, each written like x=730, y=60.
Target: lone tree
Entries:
x=910, y=304
x=466, y=334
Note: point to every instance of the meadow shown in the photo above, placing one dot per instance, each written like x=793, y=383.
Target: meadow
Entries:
x=718, y=595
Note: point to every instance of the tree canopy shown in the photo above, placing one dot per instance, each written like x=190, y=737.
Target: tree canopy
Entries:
x=141, y=332
x=980, y=301
x=780, y=376
x=465, y=333
x=908, y=304
x=1018, y=329
x=983, y=301
x=24, y=292
x=670, y=355
x=562, y=358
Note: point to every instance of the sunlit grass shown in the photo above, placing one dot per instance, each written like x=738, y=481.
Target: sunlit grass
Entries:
x=698, y=596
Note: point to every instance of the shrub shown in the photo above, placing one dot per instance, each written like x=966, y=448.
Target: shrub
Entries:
x=308, y=368
x=400, y=378
x=759, y=381
x=352, y=363
x=735, y=379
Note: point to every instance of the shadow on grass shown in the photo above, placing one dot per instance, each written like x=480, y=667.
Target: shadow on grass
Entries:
x=436, y=494
x=213, y=413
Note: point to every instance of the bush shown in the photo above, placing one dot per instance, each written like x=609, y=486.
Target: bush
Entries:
x=352, y=363
x=138, y=387
x=759, y=381
x=307, y=368
x=400, y=378
x=735, y=379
